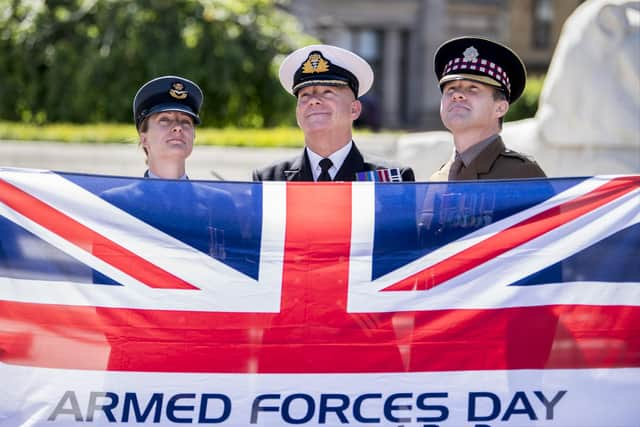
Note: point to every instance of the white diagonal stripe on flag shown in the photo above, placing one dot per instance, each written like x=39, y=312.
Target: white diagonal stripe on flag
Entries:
x=220, y=287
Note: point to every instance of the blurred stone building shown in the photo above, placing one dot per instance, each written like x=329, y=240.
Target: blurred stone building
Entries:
x=399, y=38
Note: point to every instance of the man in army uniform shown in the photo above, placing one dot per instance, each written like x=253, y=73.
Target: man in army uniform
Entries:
x=479, y=79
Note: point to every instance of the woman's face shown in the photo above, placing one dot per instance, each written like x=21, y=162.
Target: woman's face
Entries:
x=168, y=136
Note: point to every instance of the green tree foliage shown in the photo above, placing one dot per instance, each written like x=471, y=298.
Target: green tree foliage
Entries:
x=527, y=105
x=82, y=61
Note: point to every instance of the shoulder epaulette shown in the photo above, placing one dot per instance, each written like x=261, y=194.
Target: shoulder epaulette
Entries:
x=516, y=155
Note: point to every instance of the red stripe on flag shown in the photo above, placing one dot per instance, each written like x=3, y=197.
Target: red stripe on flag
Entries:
x=515, y=236
x=548, y=337
x=88, y=240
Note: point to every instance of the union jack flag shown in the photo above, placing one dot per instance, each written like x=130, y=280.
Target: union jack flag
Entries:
x=317, y=285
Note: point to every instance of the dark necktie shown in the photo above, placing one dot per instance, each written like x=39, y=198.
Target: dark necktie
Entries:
x=325, y=164
x=455, y=168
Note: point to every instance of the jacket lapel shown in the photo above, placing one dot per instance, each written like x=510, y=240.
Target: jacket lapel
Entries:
x=353, y=163
x=300, y=169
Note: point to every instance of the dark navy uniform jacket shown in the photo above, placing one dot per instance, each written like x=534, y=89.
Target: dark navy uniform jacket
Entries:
x=299, y=169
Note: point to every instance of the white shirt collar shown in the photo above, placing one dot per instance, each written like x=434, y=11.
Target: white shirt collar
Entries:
x=152, y=175
x=337, y=158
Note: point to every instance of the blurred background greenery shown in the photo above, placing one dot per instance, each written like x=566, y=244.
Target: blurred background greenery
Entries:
x=69, y=67
x=289, y=136
x=527, y=105
x=80, y=61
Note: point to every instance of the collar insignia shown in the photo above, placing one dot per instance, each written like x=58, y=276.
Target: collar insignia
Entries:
x=470, y=54
x=177, y=91
x=315, y=63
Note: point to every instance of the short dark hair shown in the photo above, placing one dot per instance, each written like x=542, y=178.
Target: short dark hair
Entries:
x=500, y=95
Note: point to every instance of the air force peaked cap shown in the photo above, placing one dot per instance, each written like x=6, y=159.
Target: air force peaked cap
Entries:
x=481, y=60
x=167, y=93
x=325, y=65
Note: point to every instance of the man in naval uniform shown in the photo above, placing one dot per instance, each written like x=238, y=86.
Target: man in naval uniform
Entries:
x=328, y=82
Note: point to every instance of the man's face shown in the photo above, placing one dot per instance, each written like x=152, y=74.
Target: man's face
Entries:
x=326, y=108
x=469, y=105
x=169, y=136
